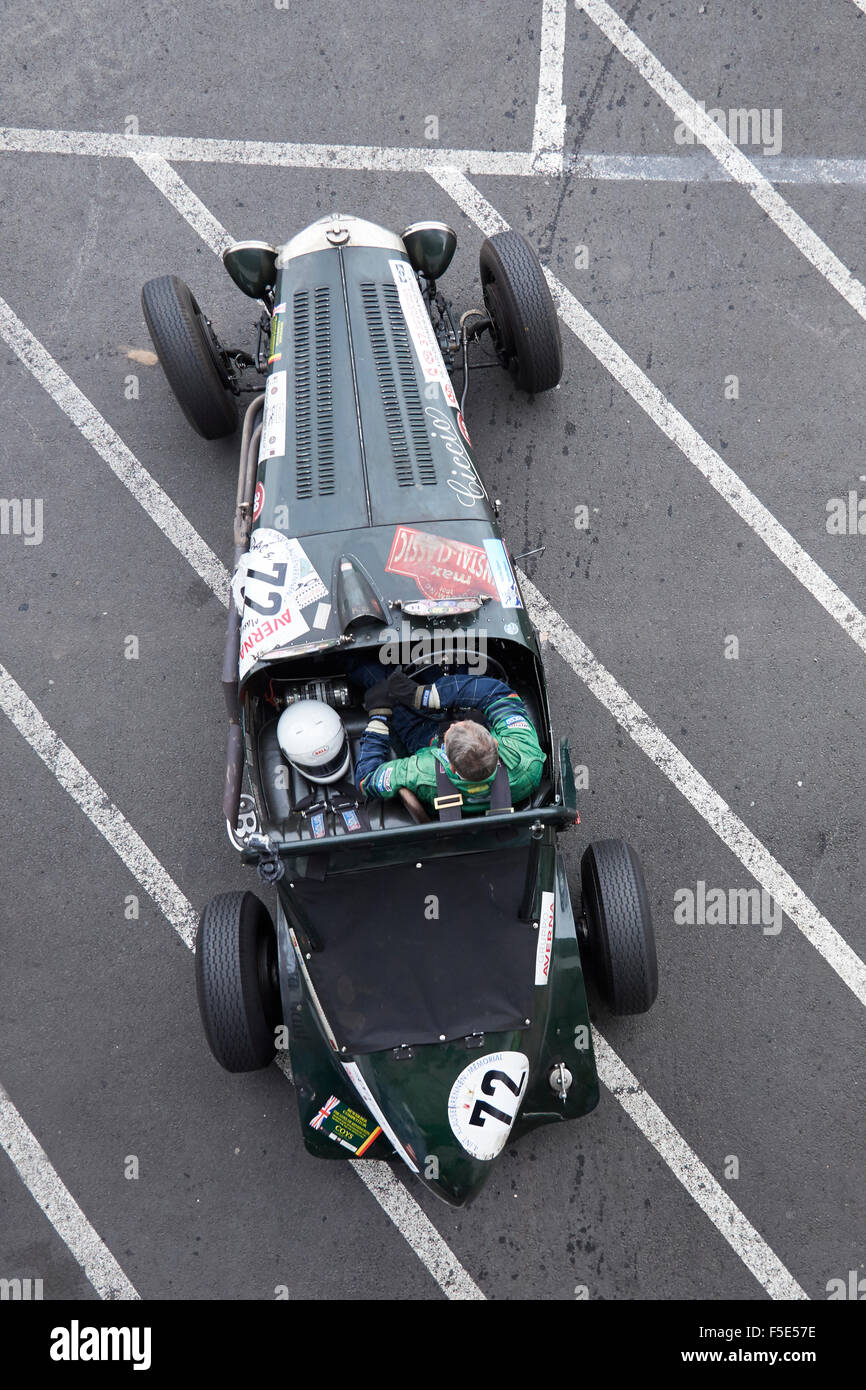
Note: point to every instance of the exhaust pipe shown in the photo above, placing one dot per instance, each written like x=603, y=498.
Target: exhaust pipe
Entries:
x=243, y=523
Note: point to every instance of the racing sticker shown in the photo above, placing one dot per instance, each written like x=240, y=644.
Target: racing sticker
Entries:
x=421, y=329
x=277, y=325
x=544, y=949
x=484, y=1101
x=441, y=568
x=503, y=574
x=353, y=1071
x=273, y=441
x=271, y=585
x=258, y=501
x=346, y=1126
x=301, y=579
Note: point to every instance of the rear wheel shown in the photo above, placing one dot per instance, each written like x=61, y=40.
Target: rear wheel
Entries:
x=525, y=326
x=191, y=357
x=619, y=928
x=237, y=981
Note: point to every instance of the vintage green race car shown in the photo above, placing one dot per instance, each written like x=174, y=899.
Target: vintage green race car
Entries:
x=423, y=978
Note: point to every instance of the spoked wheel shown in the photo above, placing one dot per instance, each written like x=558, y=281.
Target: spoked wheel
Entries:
x=237, y=981
x=190, y=354
x=525, y=328
x=619, y=932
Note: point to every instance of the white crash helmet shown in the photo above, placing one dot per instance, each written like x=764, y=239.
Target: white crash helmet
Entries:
x=312, y=738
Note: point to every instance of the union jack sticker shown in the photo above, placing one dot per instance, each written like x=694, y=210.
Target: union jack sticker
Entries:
x=330, y=1104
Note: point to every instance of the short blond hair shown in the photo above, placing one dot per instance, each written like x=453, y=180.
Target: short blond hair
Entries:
x=472, y=750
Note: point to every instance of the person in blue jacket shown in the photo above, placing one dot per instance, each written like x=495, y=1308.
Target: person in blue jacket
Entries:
x=469, y=752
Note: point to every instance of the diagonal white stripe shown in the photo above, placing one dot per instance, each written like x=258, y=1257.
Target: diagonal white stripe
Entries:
x=740, y=168
x=99, y=809
x=110, y=447
x=695, y=1177
x=44, y=1184
x=397, y=1203
x=181, y=196
x=698, y=792
x=395, y=1200
x=665, y=415
x=748, y=849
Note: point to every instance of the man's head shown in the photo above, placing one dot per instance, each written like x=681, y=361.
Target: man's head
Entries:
x=472, y=750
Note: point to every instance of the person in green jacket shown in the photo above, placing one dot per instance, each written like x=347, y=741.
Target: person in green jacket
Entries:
x=469, y=752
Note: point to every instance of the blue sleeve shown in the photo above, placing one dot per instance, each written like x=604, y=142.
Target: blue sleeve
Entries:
x=374, y=749
x=494, y=698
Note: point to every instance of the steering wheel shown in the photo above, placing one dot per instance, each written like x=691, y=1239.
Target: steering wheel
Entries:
x=424, y=666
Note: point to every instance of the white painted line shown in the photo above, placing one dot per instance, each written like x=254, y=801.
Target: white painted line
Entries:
x=548, y=132
x=433, y=1252
x=740, y=168
x=740, y=840
x=274, y=154
x=99, y=809
x=187, y=203
x=667, y=757
x=110, y=447
x=685, y=168
x=392, y=1196
x=663, y=413
x=417, y=1229
x=394, y=1199
x=48, y=1190
x=408, y=1216
x=861, y=5
x=695, y=1177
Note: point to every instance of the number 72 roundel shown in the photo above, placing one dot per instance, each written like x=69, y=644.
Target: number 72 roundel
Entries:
x=484, y=1101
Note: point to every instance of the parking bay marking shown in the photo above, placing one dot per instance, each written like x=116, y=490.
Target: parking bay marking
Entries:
x=48, y=1190
x=50, y=381
x=548, y=131
x=110, y=447
x=675, y=426
x=732, y=159
x=733, y=832
x=684, y=168
x=697, y=791
x=393, y=1197
x=663, y=752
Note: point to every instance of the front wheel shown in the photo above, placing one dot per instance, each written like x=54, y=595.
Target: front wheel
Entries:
x=619, y=930
x=191, y=357
x=237, y=981
x=518, y=302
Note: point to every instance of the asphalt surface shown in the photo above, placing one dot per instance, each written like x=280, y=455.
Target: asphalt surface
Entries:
x=754, y=1048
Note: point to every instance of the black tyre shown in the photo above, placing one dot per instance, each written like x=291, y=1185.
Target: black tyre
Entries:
x=517, y=299
x=619, y=926
x=236, y=981
x=190, y=355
